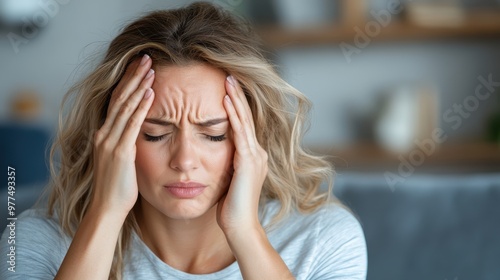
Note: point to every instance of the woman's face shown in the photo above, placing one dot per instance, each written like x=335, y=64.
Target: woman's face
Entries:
x=184, y=149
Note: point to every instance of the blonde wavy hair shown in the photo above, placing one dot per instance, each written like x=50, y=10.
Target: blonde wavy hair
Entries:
x=203, y=33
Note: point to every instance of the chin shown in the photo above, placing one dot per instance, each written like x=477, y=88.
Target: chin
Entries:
x=178, y=209
x=186, y=210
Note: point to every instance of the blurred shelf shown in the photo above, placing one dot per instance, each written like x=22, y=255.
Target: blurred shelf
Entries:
x=476, y=25
x=471, y=157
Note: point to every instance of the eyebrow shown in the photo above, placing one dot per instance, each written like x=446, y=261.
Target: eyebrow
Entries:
x=206, y=123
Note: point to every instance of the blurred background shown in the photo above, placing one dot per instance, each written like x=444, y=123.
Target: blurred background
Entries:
x=406, y=104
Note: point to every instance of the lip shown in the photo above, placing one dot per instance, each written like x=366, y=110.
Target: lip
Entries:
x=185, y=190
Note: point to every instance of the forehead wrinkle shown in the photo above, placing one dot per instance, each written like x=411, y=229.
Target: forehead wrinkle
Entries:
x=197, y=107
x=194, y=109
x=168, y=100
x=191, y=109
x=190, y=93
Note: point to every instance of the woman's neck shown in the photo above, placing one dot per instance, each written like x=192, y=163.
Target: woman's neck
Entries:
x=196, y=246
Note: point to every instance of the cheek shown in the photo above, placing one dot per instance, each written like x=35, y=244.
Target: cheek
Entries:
x=146, y=162
x=221, y=161
x=228, y=153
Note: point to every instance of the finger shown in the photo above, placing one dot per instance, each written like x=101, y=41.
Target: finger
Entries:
x=129, y=107
x=132, y=70
x=134, y=124
x=127, y=85
x=240, y=94
x=221, y=203
x=239, y=133
x=242, y=114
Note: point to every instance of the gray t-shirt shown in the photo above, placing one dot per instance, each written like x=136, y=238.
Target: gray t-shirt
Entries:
x=327, y=244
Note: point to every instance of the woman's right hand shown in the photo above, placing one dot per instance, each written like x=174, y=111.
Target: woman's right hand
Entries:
x=115, y=182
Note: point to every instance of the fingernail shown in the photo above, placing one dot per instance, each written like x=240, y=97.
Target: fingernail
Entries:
x=148, y=93
x=144, y=59
x=228, y=99
x=231, y=80
x=150, y=73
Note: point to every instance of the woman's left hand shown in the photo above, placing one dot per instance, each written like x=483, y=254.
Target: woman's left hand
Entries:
x=237, y=211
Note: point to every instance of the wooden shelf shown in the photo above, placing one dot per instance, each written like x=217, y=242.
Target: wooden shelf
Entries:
x=476, y=25
x=483, y=157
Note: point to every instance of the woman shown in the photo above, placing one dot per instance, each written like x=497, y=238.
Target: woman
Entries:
x=193, y=169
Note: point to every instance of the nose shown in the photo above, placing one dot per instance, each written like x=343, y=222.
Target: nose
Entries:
x=184, y=156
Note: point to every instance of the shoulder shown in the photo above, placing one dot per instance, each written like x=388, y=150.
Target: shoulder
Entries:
x=37, y=242
x=34, y=224
x=341, y=244
x=324, y=244
x=338, y=221
x=330, y=217
x=339, y=229
x=36, y=216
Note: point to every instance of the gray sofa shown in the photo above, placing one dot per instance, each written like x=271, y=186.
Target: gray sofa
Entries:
x=428, y=227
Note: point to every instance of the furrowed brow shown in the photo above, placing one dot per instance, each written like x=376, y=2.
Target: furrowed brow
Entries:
x=206, y=123
x=159, y=122
x=212, y=122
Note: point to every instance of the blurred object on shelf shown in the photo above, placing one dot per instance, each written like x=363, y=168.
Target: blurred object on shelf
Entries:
x=409, y=113
x=361, y=120
x=493, y=123
x=25, y=105
x=262, y=12
x=297, y=14
x=442, y=13
x=494, y=128
x=354, y=12
x=16, y=12
x=480, y=4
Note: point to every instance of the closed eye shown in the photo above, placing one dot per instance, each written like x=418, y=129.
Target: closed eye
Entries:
x=152, y=138
x=217, y=138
